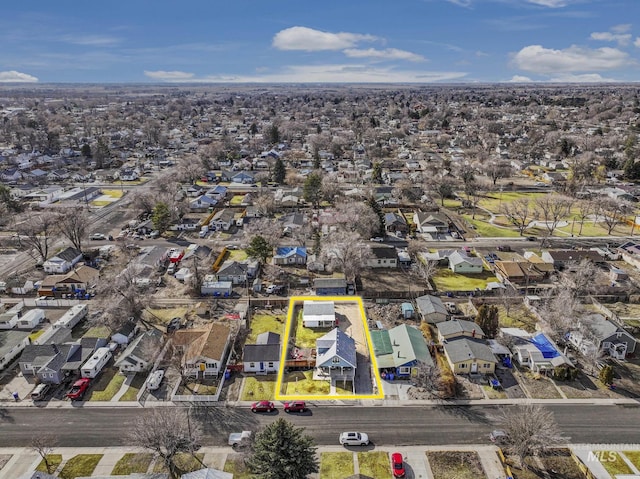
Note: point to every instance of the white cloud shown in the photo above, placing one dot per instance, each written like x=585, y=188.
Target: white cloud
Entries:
x=13, y=76
x=334, y=73
x=637, y=42
x=91, y=40
x=308, y=39
x=461, y=3
x=519, y=79
x=535, y=58
x=583, y=78
x=623, y=39
x=387, y=54
x=171, y=76
x=622, y=28
x=550, y=3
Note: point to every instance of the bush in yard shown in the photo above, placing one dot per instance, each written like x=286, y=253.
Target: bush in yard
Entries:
x=606, y=374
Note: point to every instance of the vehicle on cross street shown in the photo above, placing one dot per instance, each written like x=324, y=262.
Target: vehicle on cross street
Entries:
x=295, y=406
x=263, y=406
x=354, y=439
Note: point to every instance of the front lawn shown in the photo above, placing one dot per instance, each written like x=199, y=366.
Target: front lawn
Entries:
x=458, y=464
x=237, y=255
x=131, y=394
x=80, y=466
x=447, y=280
x=132, y=463
x=307, y=337
x=107, y=386
x=54, y=461
x=375, y=464
x=302, y=383
x=113, y=193
x=235, y=465
x=344, y=388
x=258, y=388
x=262, y=323
x=613, y=463
x=487, y=230
x=336, y=465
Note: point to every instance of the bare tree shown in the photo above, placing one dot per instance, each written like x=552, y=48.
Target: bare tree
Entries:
x=443, y=188
x=37, y=233
x=357, y=216
x=425, y=269
x=552, y=209
x=582, y=279
x=520, y=213
x=426, y=381
x=167, y=432
x=44, y=444
x=496, y=170
x=531, y=429
x=554, y=312
x=585, y=209
x=346, y=252
x=73, y=225
x=265, y=203
x=612, y=214
x=270, y=230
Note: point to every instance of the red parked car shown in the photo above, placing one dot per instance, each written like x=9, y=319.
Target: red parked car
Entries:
x=263, y=406
x=397, y=465
x=78, y=389
x=295, y=406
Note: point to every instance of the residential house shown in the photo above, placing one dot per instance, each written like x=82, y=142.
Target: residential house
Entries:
x=243, y=177
x=285, y=255
x=336, y=356
x=223, y=220
x=140, y=353
x=264, y=356
x=395, y=222
x=63, y=261
x=566, y=258
x=202, y=202
x=330, y=286
x=462, y=263
x=383, y=257
x=457, y=328
x=432, y=223
x=45, y=361
x=203, y=349
x=58, y=175
x=9, y=315
x=195, y=190
x=128, y=174
x=12, y=343
x=630, y=252
x=469, y=356
x=540, y=265
x=440, y=256
x=292, y=221
x=598, y=336
x=218, y=192
x=400, y=350
x=125, y=333
x=536, y=351
x=75, y=282
x=11, y=175
x=318, y=314
x=432, y=309
x=211, y=287
x=236, y=272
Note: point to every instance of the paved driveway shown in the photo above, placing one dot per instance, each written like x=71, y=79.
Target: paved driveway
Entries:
x=351, y=322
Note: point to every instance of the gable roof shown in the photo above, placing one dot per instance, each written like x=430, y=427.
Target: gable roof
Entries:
x=208, y=342
x=409, y=345
x=384, y=252
x=428, y=304
x=261, y=352
x=68, y=254
x=463, y=348
x=288, y=251
x=339, y=344
x=268, y=338
x=459, y=326
x=459, y=257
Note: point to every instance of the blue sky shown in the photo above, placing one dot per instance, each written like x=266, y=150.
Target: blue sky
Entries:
x=297, y=41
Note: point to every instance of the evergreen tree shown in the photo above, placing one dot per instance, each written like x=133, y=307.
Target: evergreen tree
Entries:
x=102, y=153
x=273, y=135
x=487, y=319
x=312, y=189
x=161, y=217
x=259, y=248
x=283, y=451
x=376, y=173
x=606, y=374
x=279, y=171
x=86, y=150
x=375, y=206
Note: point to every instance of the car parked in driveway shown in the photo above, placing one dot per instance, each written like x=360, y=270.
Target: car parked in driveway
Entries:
x=397, y=465
x=263, y=406
x=155, y=379
x=295, y=406
x=354, y=439
x=78, y=389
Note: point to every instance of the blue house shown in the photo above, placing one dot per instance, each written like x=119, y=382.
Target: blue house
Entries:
x=330, y=286
x=243, y=177
x=336, y=356
x=290, y=255
x=400, y=350
x=202, y=202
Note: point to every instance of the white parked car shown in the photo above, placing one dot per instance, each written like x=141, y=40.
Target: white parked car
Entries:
x=155, y=379
x=354, y=439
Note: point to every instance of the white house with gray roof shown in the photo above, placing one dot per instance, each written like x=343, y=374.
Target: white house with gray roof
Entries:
x=318, y=314
x=336, y=356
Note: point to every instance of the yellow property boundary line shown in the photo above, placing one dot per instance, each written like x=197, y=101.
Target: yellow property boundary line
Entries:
x=283, y=355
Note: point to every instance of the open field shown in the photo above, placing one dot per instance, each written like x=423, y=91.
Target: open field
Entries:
x=447, y=280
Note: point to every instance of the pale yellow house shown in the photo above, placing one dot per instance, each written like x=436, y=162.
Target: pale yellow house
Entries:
x=469, y=356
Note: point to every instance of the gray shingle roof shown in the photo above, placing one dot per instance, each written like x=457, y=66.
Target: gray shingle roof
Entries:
x=462, y=349
x=459, y=326
x=261, y=352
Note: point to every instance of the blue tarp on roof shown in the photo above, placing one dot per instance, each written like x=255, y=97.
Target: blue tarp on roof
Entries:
x=544, y=345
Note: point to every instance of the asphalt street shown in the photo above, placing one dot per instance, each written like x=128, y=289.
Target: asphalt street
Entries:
x=386, y=426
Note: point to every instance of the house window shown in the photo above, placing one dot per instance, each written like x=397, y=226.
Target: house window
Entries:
x=335, y=360
x=486, y=365
x=252, y=365
x=404, y=370
x=270, y=364
x=463, y=366
x=211, y=365
x=379, y=261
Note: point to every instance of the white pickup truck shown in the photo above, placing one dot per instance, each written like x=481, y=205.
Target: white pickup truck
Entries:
x=235, y=438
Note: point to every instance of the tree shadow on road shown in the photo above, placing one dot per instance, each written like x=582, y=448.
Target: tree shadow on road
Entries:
x=220, y=421
x=469, y=413
x=5, y=416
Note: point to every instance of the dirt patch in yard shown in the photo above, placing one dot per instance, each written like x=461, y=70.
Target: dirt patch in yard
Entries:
x=536, y=386
x=455, y=464
x=389, y=281
x=585, y=387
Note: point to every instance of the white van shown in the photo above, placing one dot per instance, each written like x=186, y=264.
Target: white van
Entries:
x=40, y=392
